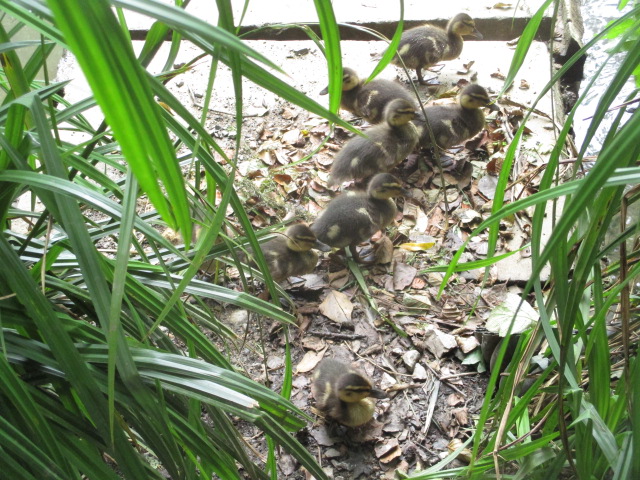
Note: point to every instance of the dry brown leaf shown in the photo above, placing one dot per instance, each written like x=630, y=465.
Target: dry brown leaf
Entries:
x=291, y=137
x=403, y=275
x=282, y=179
x=461, y=415
x=455, y=399
x=464, y=455
x=309, y=361
x=337, y=307
x=383, y=250
x=313, y=343
x=384, y=448
x=418, y=283
x=289, y=113
x=338, y=279
x=267, y=157
x=392, y=455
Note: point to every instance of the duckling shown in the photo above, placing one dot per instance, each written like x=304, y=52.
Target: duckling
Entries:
x=384, y=147
x=353, y=217
x=342, y=393
x=422, y=47
x=368, y=100
x=455, y=123
x=292, y=253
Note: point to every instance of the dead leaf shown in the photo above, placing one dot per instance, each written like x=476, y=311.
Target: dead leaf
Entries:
x=498, y=74
x=289, y=114
x=502, y=6
x=524, y=85
x=310, y=342
x=384, y=448
x=455, y=399
x=487, y=186
x=337, y=307
x=403, y=275
x=383, y=250
x=418, y=283
x=418, y=247
x=461, y=415
x=464, y=455
x=291, y=137
x=309, y=361
x=338, y=279
x=267, y=157
x=466, y=68
x=282, y=179
x=392, y=455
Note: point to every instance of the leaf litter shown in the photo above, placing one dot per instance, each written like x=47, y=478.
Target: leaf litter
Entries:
x=434, y=374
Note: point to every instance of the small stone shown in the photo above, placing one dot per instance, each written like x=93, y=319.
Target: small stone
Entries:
x=275, y=362
x=332, y=453
x=439, y=342
x=419, y=373
x=239, y=318
x=410, y=359
x=387, y=381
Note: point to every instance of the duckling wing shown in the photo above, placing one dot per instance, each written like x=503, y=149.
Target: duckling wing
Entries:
x=450, y=124
x=374, y=96
x=361, y=157
x=422, y=47
x=345, y=221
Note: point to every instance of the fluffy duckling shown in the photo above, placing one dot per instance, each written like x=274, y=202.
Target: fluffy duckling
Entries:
x=422, y=47
x=353, y=217
x=342, y=393
x=291, y=254
x=455, y=123
x=384, y=147
x=368, y=100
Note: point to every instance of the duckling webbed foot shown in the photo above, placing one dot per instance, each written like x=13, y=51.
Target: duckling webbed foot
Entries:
x=430, y=81
x=357, y=258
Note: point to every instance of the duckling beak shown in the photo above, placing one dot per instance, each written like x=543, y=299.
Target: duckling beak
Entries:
x=493, y=107
x=325, y=90
x=375, y=393
x=476, y=34
x=323, y=247
x=406, y=192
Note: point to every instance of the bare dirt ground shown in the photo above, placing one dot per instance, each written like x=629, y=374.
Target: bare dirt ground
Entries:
x=422, y=348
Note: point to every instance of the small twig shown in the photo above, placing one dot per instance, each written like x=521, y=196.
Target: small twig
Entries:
x=440, y=379
x=456, y=375
x=404, y=386
x=336, y=335
x=431, y=406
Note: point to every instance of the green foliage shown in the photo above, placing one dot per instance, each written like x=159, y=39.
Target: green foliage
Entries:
x=86, y=372
x=585, y=419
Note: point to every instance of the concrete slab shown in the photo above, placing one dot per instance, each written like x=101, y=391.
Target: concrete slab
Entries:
x=496, y=23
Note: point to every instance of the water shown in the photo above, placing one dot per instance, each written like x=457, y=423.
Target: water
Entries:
x=596, y=14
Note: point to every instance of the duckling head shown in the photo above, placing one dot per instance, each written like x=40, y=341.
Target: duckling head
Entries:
x=463, y=24
x=385, y=185
x=300, y=238
x=350, y=80
x=352, y=388
x=474, y=96
x=399, y=112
